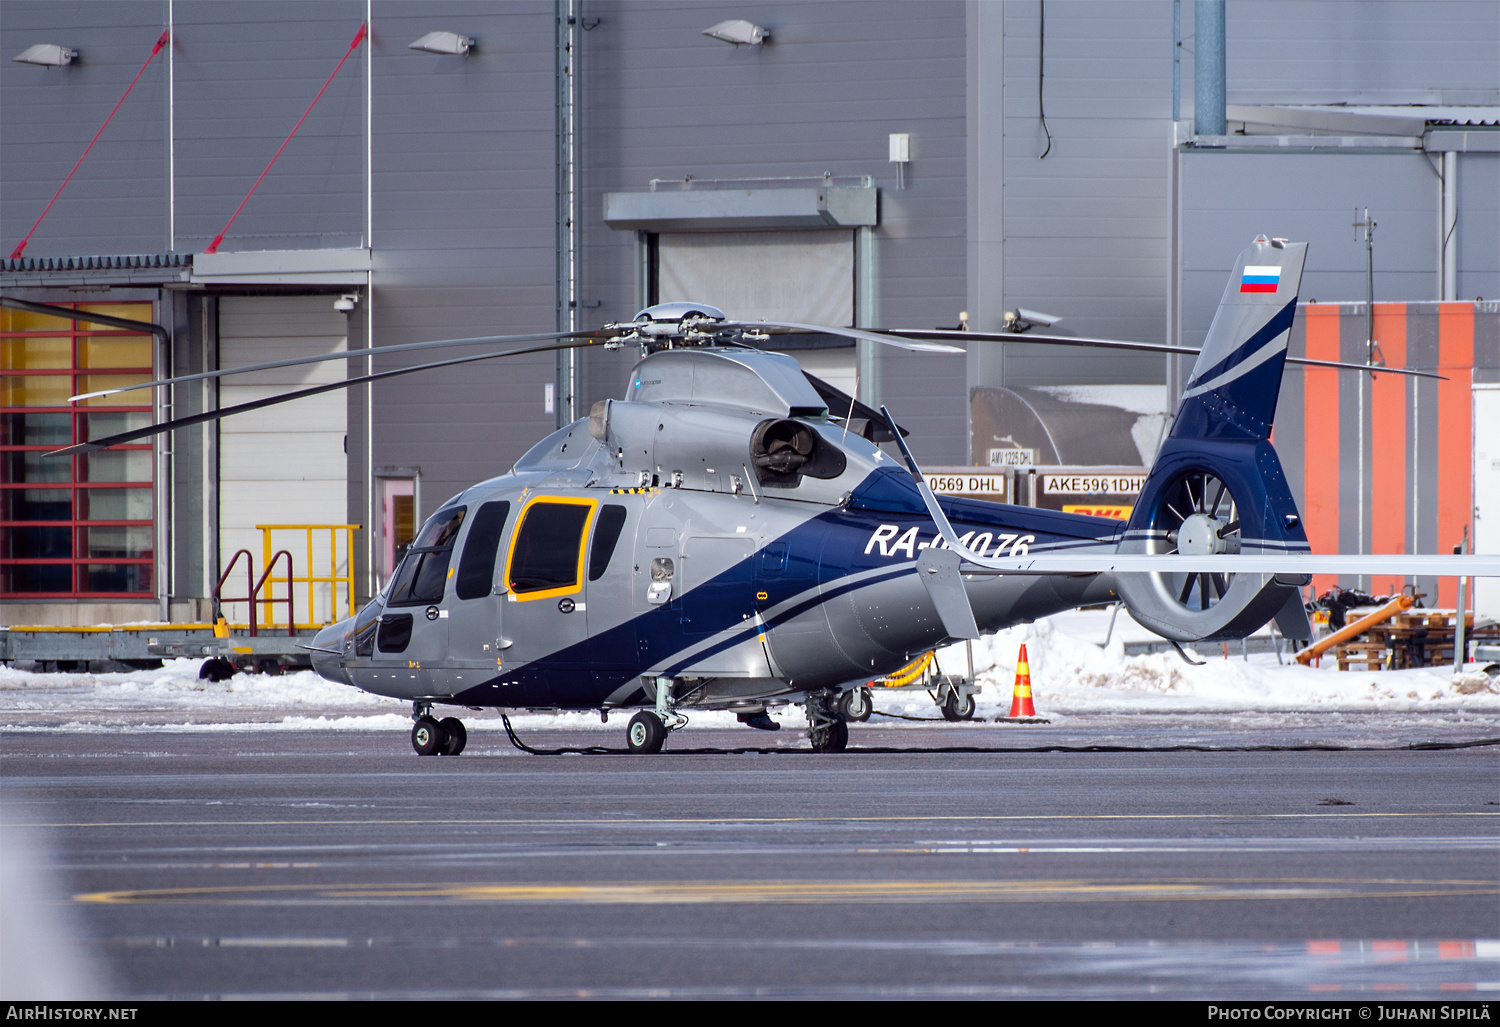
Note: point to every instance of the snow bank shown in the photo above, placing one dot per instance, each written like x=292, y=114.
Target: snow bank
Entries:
x=1072, y=675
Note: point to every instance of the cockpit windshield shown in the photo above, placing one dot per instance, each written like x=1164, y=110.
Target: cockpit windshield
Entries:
x=423, y=574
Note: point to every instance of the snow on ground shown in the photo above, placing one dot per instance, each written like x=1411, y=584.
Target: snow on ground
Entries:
x=1073, y=677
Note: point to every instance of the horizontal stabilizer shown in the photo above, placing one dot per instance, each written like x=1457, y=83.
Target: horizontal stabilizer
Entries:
x=939, y=571
x=1283, y=564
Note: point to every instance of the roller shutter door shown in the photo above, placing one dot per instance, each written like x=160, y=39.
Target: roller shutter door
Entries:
x=802, y=276
x=284, y=464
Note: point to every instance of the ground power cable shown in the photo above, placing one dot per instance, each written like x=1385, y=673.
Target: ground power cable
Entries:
x=600, y=750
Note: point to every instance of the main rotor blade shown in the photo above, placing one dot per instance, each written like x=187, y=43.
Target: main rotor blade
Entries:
x=240, y=408
x=484, y=340
x=885, y=339
x=1142, y=347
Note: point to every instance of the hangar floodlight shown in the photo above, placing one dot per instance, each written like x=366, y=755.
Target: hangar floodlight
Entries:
x=737, y=31
x=444, y=43
x=48, y=55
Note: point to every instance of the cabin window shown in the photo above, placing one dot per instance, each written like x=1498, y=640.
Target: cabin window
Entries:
x=395, y=632
x=547, y=555
x=424, y=572
x=476, y=568
x=606, y=536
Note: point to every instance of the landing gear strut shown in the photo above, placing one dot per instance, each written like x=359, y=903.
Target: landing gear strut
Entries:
x=648, y=729
x=826, y=727
x=431, y=737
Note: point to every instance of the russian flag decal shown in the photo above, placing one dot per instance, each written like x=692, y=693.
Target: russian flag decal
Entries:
x=1260, y=278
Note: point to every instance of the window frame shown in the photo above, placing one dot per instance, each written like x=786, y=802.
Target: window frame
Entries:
x=583, y=548
x=77, y=332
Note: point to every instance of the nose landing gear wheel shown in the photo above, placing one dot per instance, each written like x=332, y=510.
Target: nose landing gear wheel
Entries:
x=427, y=736
x=455, y=736
x=646, y=733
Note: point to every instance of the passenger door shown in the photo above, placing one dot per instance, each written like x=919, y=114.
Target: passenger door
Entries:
x=543, y=618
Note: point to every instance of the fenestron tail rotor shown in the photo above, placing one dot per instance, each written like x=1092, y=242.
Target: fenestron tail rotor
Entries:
x=1196, y=515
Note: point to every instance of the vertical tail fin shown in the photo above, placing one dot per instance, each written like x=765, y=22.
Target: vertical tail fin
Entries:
x=1217, y=485
x=1232, y=390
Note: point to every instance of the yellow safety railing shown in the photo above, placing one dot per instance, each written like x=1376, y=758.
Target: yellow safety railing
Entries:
x=336, y=557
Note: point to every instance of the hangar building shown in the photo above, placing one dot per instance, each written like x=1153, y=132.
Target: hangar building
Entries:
x=550, y=163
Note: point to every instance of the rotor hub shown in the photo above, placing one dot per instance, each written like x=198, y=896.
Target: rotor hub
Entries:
x=1200, y=536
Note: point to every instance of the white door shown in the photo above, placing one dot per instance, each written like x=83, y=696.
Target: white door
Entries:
x=1486, y=493
x=801, y=276
x=283, y=464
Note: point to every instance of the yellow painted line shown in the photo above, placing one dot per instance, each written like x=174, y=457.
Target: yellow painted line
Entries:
x=800, y=892
x=648, y=821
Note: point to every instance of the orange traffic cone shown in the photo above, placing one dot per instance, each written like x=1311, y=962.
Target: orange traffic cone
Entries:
x=1020, y=703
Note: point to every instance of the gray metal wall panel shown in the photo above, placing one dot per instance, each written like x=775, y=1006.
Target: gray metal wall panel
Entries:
x=1487, y=343
x=245, y=74
x=1385, y=51
x=1086, y=227
x=1352, y=479
x=463, y=234
x=1479, y=225
x=116, y=203
x=1422, y=353
x=1291, y=417
x=1229, y=198
x=659, y=100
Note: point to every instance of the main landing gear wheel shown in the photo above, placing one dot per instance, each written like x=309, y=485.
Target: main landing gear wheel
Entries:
x=427, y=736
x=856, y=704
x=455, y=736
x=957, y=707
x=646, y=733
x=834, y=739
x=826, y=728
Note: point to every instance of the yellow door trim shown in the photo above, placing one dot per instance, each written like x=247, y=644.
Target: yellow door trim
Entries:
x=588, y=523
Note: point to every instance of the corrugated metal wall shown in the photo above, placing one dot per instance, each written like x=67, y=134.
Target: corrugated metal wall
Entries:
x=1381, y=464
x=461, y=174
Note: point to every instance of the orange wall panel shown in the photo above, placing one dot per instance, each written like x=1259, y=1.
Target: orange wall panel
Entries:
x=1320, y=514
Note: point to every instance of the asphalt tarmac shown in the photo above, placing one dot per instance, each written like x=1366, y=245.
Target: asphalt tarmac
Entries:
x=339, y=864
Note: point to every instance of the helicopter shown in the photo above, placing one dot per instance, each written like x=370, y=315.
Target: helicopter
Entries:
x=730, y=535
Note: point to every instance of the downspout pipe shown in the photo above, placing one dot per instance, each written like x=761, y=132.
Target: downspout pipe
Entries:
x=87, y=315
x=1209, y=69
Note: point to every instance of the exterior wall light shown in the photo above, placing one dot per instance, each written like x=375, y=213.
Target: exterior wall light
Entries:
x=444, y=43
x=48, y=55
x=737, y=31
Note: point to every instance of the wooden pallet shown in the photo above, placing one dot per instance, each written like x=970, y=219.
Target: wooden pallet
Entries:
x=1418, y=638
